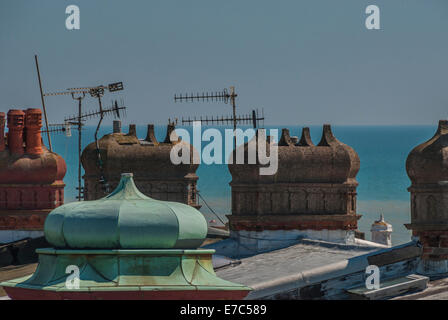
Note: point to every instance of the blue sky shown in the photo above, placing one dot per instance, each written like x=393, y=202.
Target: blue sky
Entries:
x=305, y=62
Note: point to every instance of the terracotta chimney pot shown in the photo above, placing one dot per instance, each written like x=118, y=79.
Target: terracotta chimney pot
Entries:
x=16, y=120
x=33, y=125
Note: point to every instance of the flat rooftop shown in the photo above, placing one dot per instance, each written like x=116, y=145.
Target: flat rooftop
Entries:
x=256, y=271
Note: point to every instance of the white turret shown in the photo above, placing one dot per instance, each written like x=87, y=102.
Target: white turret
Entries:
x=381, y=232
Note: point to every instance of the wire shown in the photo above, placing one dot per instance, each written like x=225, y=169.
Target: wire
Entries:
x=211, y=209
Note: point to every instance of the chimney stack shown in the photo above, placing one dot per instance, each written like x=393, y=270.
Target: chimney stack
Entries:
x=169, y=130
x=117, y=126
x=150, y=135
x=16, y=120
x=33, y=125
x=132, y=130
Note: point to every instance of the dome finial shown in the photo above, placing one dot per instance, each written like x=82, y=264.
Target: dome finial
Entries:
x=130, y=174
x=127, y=189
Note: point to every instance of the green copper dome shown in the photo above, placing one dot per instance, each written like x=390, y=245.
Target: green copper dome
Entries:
x=125, y=219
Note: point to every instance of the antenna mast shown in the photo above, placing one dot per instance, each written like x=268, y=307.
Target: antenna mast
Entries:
x=79, y=94
x=43, y=103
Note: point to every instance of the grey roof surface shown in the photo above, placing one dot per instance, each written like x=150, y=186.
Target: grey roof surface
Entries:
x=292, y=260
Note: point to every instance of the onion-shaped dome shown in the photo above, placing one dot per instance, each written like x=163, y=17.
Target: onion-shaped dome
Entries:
x=331, y=161
x=428, y=162
x=125, y=219
x=145, y=158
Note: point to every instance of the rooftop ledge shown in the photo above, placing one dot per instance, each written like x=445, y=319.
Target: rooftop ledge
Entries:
x=125, y=251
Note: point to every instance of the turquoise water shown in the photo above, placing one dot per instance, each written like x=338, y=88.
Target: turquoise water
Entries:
x=383, y=181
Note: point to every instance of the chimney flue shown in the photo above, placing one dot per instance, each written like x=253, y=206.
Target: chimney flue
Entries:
x=132, y=130
x=16, y=120
x=33, y=124
x=150, y=135
x=171, y=135
x=117, y=126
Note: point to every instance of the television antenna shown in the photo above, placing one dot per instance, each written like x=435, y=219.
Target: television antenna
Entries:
x=253, y=118
x=116, y=110
x=220, y=96
x=59, y=128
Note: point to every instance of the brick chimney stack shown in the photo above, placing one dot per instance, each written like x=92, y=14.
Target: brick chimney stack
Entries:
x=312, y=194
x=31, y=177
x=427, y=167
x=150, y=161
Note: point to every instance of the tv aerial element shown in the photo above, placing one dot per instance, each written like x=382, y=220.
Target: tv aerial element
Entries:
x=59, y=128
x=253, y=118
x=205, y=97
x=222, y=96
x=93, y=91
x=174, y=122
x=78, y=120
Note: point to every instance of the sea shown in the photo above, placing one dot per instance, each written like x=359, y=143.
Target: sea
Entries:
x=382, y=178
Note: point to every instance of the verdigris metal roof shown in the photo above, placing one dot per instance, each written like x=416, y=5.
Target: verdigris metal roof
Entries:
x=125, y=219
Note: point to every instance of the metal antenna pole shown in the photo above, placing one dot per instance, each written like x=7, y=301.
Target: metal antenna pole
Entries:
x=99, y=124
x=98, y=153
x=43, y=103
x=79, y=124
x=232, y=97
x=254, y=119
x=79, y=146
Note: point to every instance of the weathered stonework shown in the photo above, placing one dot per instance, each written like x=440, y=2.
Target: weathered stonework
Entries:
x=427, y=167
x=148, y=159
x=313, y=189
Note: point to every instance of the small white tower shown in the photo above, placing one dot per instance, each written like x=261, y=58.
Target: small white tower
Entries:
x=381, y=232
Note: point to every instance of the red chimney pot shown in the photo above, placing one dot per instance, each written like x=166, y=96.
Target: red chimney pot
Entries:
x=16, y=119
x=33, y=124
